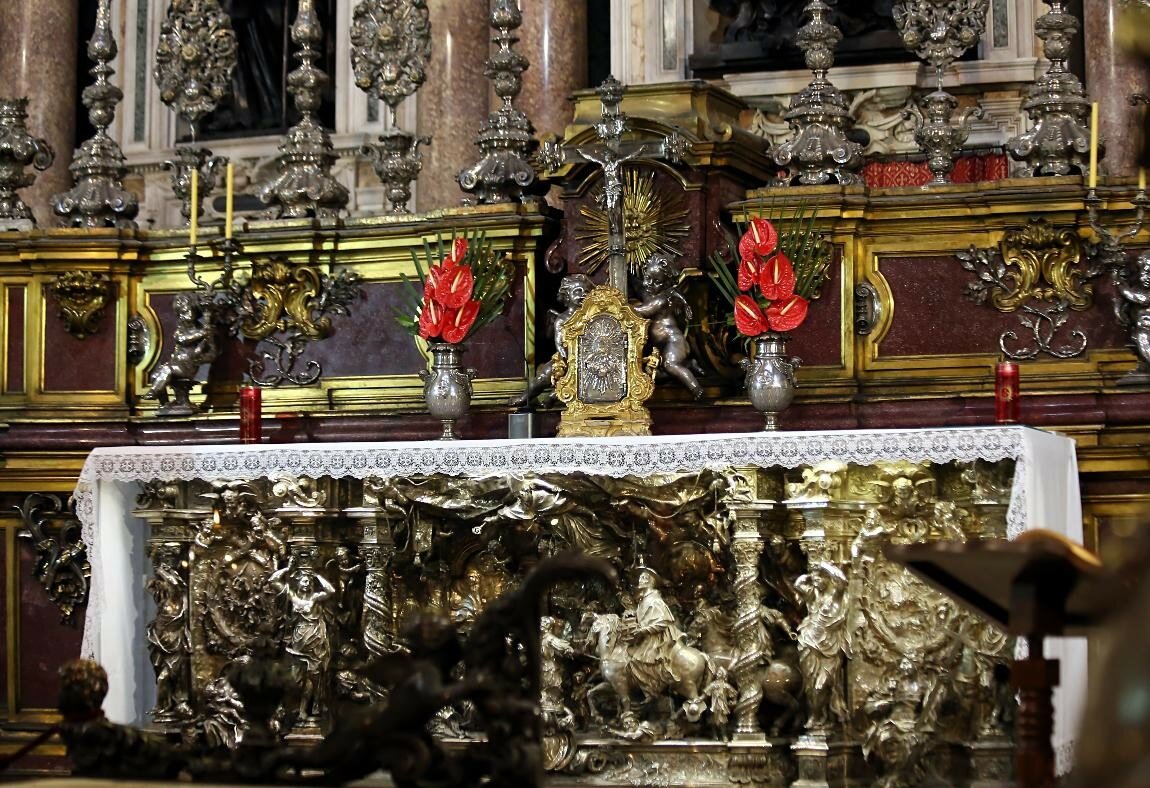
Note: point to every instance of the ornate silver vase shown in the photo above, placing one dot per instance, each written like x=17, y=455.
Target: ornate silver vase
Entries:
x=771, y=378
x=447, y=386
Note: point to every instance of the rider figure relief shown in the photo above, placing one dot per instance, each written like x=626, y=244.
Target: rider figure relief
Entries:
x=656, y=634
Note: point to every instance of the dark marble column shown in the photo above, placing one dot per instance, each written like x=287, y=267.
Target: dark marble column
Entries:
x=38, y=60
x=553, y=38
x=1112, y=76
x=453, y=102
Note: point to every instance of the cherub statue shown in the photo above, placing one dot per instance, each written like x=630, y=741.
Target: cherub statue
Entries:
x=193, y=344
x=573, y=292
x=1134, y=309
x=665, y=306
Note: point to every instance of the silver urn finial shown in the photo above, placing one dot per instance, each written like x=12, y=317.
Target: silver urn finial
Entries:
x=98, y=198
x=506, y=139
x=195, y=59
x=18, y=149
x=939, y=31
x=305, y=185
x=1059, y=141
x=390, y=48
x=820, y=151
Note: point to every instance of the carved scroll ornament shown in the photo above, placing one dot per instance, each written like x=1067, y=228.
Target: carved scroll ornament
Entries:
x=82, y=296
x=61, y=557
x=1037, y=263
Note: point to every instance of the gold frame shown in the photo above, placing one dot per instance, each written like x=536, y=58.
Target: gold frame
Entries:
x=628, y=415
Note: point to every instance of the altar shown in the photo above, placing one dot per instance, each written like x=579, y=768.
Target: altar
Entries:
x=743, y=542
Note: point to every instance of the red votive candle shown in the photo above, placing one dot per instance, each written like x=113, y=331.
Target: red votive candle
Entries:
x=1006, y=392
x=251, y=413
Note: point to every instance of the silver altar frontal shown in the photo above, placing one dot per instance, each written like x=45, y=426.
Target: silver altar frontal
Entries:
x=759, y=634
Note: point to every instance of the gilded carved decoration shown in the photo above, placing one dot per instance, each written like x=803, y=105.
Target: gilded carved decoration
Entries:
x=604, y=379
x=728, y=624
x=82, y=296
x=288, y=305
x=1043, y=272
x=61, y=557
x=654, y=220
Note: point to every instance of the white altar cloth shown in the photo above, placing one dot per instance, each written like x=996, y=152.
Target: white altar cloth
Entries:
x=1044, y=495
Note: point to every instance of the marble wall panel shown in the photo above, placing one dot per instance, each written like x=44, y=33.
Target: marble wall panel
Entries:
x=72, y=364
x=14, y=351
x=45, y=643
x=933, y=316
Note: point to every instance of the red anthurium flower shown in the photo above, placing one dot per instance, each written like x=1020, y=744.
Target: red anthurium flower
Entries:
x=458, y=251
x=459, y=322
x=787, y=313
x=759, y=239
x=749, y=318
x=748, y=272
x=453, y=286
x=777, y=277
x=430, y=318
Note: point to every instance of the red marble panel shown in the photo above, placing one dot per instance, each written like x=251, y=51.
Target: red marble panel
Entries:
x=45, y=643
x=818, y=341
x=72, y=364
x=369, y=341
x=933, y=316
x=14, y=353
x=4, y=618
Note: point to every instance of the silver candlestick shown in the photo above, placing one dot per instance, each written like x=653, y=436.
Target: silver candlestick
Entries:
x=820, y=151
x=18, y=149
x=1056, y=103
x=506, y=139
x=305, y=185
x=390, y=47
x=195, y=59
x=939, y=31
x=98, y=198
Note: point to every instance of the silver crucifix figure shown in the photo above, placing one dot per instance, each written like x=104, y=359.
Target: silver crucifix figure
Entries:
x=611, y=153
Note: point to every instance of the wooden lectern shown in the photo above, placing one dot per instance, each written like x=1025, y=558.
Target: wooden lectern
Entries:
x=1036, y=585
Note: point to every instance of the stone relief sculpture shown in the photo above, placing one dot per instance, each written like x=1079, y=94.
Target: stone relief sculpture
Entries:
x=664, y=305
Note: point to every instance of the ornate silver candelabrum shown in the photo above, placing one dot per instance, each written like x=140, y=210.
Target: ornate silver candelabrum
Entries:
x=1056, y=103
x=18, y=149
x=98, y=198
x=195, y=59
x=506, y=139
x=390, y=47
x=305, y=185
x=820, y=151
x=939, y=31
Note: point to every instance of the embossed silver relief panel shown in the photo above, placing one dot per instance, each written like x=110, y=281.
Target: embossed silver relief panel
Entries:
x=728, y=604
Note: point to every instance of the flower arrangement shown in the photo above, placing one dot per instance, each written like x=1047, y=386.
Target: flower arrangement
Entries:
x=778, y=274
x=460, y=294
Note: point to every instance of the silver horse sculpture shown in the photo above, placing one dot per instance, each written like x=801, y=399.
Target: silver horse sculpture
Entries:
x=687, y=670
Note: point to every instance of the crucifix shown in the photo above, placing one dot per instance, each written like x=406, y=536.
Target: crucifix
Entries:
x=611, y=153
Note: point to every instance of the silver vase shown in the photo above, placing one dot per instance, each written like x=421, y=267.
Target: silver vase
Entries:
x=447, y=386
x=771, y=378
